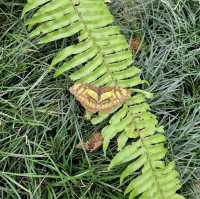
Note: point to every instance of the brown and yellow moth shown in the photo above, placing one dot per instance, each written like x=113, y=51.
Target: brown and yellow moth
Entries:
x=103, y=99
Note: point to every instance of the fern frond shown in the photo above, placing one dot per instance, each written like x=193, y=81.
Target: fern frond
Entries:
x=101, y=56
x=145, y=154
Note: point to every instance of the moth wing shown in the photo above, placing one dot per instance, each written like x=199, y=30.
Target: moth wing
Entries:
x=87, y=95
x=122, y=94
x=111, y=98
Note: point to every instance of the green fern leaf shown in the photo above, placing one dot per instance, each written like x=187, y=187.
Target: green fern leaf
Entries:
x=101, y=56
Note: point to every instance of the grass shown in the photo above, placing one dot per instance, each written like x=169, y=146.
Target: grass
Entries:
x=40, y=123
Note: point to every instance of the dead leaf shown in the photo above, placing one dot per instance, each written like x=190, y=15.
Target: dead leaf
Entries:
x=135, y=44
x=94, y=142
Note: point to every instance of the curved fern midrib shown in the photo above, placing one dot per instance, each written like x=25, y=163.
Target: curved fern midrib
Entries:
x=151, y=166
x=95, y=42
x=110, y=73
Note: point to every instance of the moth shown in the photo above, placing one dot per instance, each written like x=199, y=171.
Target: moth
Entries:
x=99, y=99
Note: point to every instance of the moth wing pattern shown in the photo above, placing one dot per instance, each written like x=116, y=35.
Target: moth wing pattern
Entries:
x=87, y=95
x=104, y=99
x=111, y=98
